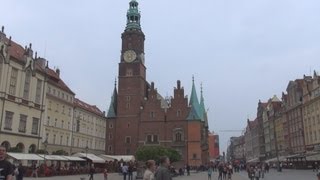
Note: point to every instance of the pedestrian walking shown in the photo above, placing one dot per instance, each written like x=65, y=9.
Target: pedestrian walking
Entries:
x=125, y=171
x=130, y=171
x=163, y=173
x=34, y=169
x=105, y=174
x=19, y=172
x=251, y=173
x=5, y=166
x=91, y=172
x=210, y=170
x=229, y=174
x=188, y=169
x=149, y=173
x=220, y=169
x=257, y=173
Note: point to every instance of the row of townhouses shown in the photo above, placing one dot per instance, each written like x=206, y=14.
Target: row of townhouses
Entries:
x=283, y=128
x=38, y=111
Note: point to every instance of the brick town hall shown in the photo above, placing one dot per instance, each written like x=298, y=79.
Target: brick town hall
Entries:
x=139, y=116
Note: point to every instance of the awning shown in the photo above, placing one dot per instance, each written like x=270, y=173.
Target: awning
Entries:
x=281, y=158
x=53, y=157
x=314, y=157
x=125, y=158
x=24, y=156
x=73, y=158
x=92, y=157
x=253, y=160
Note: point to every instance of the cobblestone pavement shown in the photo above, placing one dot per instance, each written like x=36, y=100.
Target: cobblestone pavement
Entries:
x=272, y=175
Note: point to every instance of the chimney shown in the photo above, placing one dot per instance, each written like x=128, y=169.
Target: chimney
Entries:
x=178, y=84
x=152, y=85
x=58, y=72
x=30, y=51
x=2, y=34
x=42, y=62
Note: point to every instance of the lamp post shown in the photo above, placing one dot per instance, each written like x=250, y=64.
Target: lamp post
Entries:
x=87, y=148
x=45, y=143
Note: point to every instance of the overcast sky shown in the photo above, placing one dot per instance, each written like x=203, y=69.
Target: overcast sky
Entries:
x=241, y=50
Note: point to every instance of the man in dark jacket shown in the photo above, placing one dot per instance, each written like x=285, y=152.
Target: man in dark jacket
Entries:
x=163, y=172
x=20, y=172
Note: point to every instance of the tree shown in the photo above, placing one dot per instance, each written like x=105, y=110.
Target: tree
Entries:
x=60, y=152
x=15, y=149
x=155, y=152
x=41, y=151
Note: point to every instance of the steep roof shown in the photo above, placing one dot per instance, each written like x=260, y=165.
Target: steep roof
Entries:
x=17, y=52
x=55, y=79
x=195, y=111
x=91, y=108
x=112, y=112
x=203, y=113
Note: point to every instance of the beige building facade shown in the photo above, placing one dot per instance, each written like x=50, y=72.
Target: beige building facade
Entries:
x=21, y=96
x=38, y=111
x=311, y=112
x=57, y=129
x=89, y=128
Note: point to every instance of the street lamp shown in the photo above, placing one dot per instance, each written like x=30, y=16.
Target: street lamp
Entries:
x=45, y=143
x=87, y=148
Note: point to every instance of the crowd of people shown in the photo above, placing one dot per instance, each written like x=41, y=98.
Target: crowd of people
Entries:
x=161, y=171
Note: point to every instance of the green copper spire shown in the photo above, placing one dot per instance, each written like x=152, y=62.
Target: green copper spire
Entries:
x=195, y=111
x=133, y=16
x=204, y=114
x=112, y=112
x=202, y=106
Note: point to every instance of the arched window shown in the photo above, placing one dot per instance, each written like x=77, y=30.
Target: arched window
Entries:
x=178, y=137
x=20, y=147
x=32, y=148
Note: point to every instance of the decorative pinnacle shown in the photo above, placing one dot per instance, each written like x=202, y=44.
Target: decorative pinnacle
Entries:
x=2, y=29
x=115, y=82
x=192, y=78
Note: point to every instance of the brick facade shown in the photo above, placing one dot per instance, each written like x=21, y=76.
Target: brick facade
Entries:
x=140, y=116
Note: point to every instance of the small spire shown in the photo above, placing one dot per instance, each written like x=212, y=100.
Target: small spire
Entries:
x=193, y=79
x=10, y=41
x=2, y=29
x=115, y=82
x=36, y=55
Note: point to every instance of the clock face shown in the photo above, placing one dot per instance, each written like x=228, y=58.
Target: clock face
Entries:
x=129, y=56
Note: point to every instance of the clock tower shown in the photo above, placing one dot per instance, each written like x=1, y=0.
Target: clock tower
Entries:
x=132, y=82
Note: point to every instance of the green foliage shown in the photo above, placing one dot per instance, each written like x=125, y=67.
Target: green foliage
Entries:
x=60, y=152
x=41, y=151
x=155, y=152
x=15, y=149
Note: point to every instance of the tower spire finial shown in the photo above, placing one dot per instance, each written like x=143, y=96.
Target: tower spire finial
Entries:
x=133, y=16
x=115, y=82
x=193, y=79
